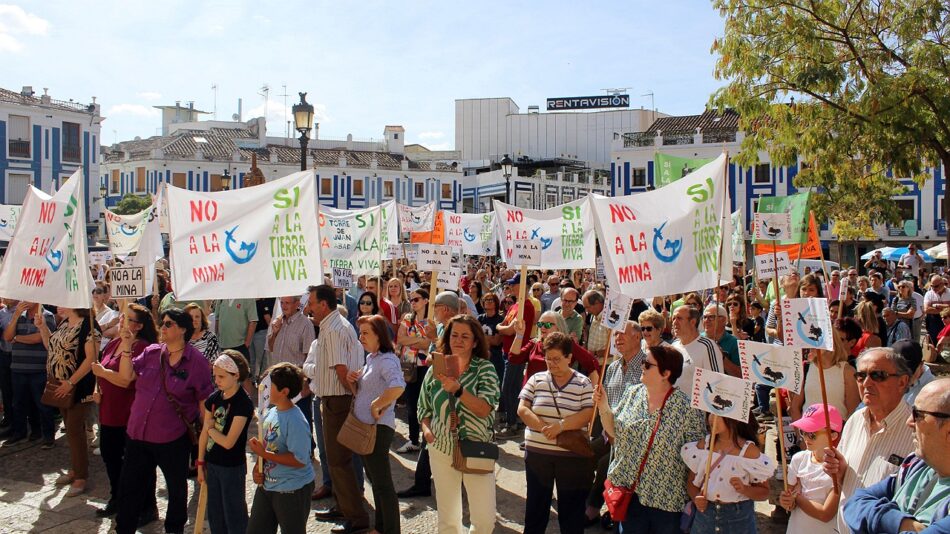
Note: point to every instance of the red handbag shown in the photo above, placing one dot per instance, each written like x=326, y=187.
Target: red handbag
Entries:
x=618, y=498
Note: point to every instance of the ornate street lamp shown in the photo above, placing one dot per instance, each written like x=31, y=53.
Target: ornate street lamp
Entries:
x=303, y=122
x=226, y=180
x=506, y=165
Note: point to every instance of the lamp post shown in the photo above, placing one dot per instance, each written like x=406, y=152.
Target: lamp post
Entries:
x=226, y=180
x=103, y=190
x=303, y=122
x=506, y=164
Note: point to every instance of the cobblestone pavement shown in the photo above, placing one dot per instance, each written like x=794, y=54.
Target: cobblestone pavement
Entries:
x=29, y=501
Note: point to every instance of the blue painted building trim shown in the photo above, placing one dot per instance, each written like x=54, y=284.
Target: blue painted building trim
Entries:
x=85, y=172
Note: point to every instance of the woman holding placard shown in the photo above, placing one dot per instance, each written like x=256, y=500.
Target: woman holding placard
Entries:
x=647, y=427
x=413, y=347
x=532, y=352
x=738, y=476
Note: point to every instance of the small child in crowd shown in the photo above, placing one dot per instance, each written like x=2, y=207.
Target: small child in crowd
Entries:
x=810, y=496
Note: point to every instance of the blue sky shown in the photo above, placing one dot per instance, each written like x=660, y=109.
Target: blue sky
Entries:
x=364, y=64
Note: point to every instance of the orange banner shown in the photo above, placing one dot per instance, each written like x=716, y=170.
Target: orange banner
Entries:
x=810, y=250
x=436, y=236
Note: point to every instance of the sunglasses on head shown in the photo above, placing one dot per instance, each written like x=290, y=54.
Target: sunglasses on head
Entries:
x=545, y=324
x=877, y=376
x=919, y=414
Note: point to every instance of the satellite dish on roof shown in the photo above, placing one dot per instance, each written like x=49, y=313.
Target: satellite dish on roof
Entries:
x=235, y=117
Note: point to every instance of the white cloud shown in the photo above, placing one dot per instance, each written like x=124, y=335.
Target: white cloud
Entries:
x=431, y=135
x=277, y=120
x=15, y=21
x=439, y=146
x=149, y=95
x=137, y=110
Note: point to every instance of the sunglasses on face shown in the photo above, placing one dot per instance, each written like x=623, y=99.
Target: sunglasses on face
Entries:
x=169, y=324
x=646, y=328
x=415, y=299
x=919, y=414
x=812, y=436
x=545, y=324
x=877, y=376
x=98, y=291
x=647, y=365
x=563, y=301
x=366, y=303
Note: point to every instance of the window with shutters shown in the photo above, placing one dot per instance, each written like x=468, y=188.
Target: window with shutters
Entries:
x=115, y=182
x=357, y=187
x=17, y=186
x=638, y=178
x=180, y=179
x=214, y=181
x=72, y=146
x=140, y=179
x=419, y=189
x=446, y=190
x=387, y=189
x=762, y=174
x=326, y=187
x=18, y=143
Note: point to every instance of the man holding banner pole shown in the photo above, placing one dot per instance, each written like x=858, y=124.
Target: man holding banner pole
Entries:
x=514, y=373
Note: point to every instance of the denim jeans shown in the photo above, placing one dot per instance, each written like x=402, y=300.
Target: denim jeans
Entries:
x=645, y=520
x=257, y=360
x=141, y=459
x=6, y=385
x=510, y=388
x=762, y=397
x=734, y=518
x=227, y=507
x=321, y=450
x=27, y=392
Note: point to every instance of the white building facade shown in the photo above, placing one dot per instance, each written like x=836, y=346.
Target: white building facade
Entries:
x=43, y=141
x=708, y=135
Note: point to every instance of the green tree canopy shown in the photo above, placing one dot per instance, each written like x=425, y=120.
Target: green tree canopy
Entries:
x=856, y=88
x=132, y=204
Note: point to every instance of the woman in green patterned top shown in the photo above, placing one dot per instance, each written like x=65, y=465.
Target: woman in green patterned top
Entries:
x=660, y=491
x=475, y=396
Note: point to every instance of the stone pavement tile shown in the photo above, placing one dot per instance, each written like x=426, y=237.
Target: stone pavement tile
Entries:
x=36, y=520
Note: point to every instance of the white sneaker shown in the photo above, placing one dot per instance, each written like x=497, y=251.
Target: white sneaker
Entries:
x=408, y=447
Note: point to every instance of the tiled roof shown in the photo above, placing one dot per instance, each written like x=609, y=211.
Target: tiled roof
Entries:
x=709, y=120
x=13, y=97
x=218, y=144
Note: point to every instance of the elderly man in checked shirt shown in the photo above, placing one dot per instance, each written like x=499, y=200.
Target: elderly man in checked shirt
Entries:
x=336, y=352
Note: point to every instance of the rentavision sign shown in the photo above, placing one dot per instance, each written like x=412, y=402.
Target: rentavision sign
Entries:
x=589, y=102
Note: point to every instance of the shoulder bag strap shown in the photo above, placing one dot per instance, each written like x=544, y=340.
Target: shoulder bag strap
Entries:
x=171, y=400
x=656, y=427
x=553, y=396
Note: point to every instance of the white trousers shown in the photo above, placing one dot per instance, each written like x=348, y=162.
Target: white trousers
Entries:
x=448, y=496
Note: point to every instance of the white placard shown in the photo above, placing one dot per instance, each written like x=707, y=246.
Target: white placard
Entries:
x=9, y=215
x=765, y=267
x=434, y=257
x=525, y=252
x=450, y=278
x=566, y=233
x=412, y=253
x=772, y=365
x=806, y=323
x=478, y=234
x=100, y=256
x=722, y=395
x=600, y=272
x=617, y=308
x=394, y=251
x=773, y=226
x=127, y=282
x=342, y=277
x=738, y=237
x=125, y=231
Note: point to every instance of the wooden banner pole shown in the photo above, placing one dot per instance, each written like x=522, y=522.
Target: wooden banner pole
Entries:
x=709, y=455
x=603, y=371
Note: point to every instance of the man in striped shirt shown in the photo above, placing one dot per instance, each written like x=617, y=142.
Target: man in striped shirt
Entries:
x=697, y=351
x=336, y=352
x=876, y=438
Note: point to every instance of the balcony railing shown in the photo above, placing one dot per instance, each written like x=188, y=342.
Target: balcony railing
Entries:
x=682, y=137
x=71, y=153
x=719, y=136
x=639, y=139
x=19, y=149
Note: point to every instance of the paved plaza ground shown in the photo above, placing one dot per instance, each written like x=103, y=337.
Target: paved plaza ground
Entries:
x=29, y=501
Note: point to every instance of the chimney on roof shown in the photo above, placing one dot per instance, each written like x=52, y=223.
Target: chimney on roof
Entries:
x=27, y=91
x=395, y=139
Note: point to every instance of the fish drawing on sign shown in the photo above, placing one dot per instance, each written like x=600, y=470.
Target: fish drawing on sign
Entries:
x=614, y=317
x=772, y=232
x=721, y=403
x=245, y=252
x=814, y=333
x=774, y=376
x=673, y=246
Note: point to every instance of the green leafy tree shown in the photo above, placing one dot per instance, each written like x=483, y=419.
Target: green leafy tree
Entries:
x=853, y=87
x=132, y=204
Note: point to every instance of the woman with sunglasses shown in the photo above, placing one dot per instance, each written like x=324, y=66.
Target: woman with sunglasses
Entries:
x=397, y=296
x=652, y=326
x=413, y=348
x=107, y=318
x=551, y=403
x=72, y=349
x=647, y=427
x=367, y=304
x=172, y=380
x=136, y=331
x=739, y=323
x=532, y=352
x=840, y=385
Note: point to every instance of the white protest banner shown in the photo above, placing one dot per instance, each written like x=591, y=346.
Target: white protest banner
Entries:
x=394, y=252
x=352, y=239
x=342, y=278
x=772, y=365
x=566, y=233
x=665, y=241
x=9, y=215
x=417, y=219
x=412, y=252
x=772, y=226
x=738, y=237
x=722, y=395
x=248, y=243
x=617, y=308
x=525, y=252
x=151, y=248
x=434, y=257
x=807, y=323
x=125, y=231
x=100, y=256
x=389, y=233
x=599, y=271
x=160, y=200
x=47, y=260
x=450, y=278
x=453, y=230
x=128, y=282
x=765, y=266
x=478, y=234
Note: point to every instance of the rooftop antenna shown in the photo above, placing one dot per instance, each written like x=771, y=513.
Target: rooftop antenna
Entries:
x=616, y=90
x=652, y=105
x=265, y=92
x=214, y=88
x=285, y=110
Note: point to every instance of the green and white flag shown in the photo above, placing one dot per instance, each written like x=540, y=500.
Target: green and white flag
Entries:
x=797, y=206
x=668, y=169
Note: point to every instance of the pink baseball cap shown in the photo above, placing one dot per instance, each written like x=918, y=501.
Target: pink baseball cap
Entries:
x=813, y=419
